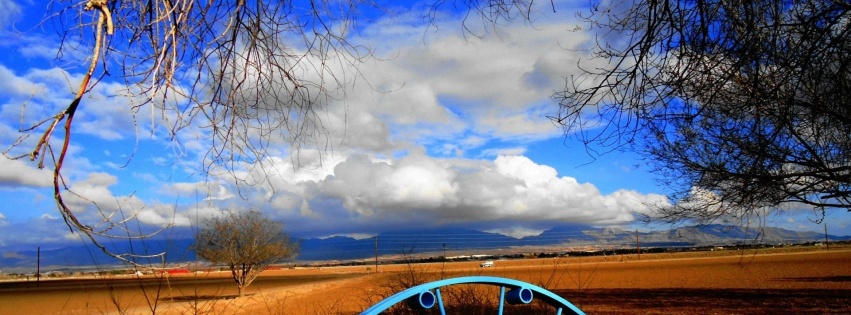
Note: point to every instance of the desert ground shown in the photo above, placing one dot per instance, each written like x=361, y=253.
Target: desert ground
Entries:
x=804, y=281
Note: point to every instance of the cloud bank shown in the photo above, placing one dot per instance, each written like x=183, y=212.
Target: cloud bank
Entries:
x=436, y=131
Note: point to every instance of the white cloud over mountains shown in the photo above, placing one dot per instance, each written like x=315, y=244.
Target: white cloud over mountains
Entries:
x=418, y=190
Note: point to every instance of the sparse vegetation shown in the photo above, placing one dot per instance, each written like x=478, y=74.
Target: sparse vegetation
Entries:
x=662, y=283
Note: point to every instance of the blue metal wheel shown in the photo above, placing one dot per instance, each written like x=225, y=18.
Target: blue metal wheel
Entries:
x=427, y=295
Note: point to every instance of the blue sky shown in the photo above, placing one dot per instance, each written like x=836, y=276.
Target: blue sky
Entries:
x=458, y=136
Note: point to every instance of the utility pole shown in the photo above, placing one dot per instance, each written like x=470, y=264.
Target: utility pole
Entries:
x=376, y=253
x=444, y=252
x=637, y=244
x=38, y=267
x=826, y=241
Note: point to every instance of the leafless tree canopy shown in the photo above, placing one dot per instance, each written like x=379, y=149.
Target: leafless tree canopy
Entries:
x=245, y=242
x=246, y=72
x=242, y=75
x=743, y=105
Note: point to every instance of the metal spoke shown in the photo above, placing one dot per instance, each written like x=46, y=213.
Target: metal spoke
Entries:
x=520, y=292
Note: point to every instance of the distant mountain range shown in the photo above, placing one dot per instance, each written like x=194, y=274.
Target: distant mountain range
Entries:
x=433, y=242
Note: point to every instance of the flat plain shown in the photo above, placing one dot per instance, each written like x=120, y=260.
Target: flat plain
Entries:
x=765, y=281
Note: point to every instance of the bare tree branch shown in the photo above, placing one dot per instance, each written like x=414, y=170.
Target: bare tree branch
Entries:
x=246, y=75
x=742, y=101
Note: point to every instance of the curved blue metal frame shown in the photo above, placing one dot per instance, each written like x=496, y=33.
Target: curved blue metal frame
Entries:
x=521, y=292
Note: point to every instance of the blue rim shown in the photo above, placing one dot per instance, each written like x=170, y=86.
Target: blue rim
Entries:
x=520, y=291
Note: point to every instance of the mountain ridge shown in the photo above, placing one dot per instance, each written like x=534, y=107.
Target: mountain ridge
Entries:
x=436, y=241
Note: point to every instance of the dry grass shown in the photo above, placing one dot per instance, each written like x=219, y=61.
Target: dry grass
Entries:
x=722, y=282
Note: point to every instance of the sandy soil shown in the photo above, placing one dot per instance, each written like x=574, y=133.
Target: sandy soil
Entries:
x=724, y=282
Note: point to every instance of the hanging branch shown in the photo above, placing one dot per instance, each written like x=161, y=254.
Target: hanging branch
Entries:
x=247, y=75
x=42, y=147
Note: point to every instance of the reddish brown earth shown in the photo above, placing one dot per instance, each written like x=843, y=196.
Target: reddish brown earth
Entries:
x=724, y=282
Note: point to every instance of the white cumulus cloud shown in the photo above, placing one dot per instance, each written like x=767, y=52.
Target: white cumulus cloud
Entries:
x=19, y=173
